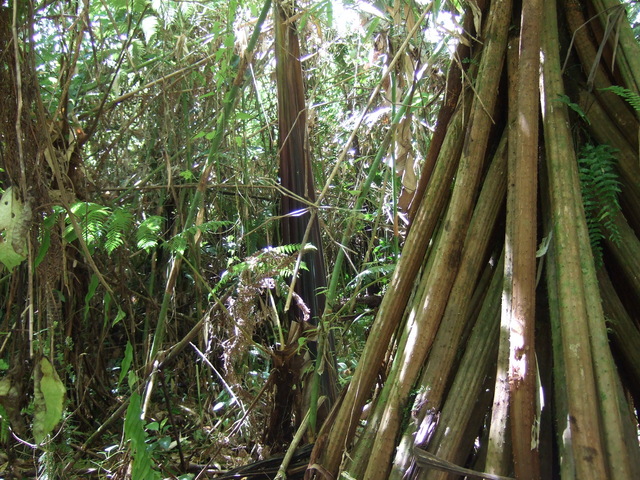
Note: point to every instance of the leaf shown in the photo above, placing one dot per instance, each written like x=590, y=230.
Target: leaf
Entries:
x=149, y=26
x=149, y=232
x=14, y=226
x=600, y=187
x=49, y=394
x=573, y=106
x=119, y=224
x=134, y=432
x=91, y=291
x=631, y=97
x=91, y=218
x=126, y=362
x=119, y=316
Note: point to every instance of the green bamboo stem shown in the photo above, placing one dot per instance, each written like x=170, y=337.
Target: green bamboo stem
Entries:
x=428, y=310
x=480, y=354
x=624, y=333
x=520, y=249
x=585, y=432
x=437, y=372
x=498, y=458
x=561, y=403
x=619, y=452
x=401, y=286
x=626, y=253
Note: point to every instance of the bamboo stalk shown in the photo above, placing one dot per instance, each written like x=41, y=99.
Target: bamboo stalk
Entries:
x=448, y=107
x=498, y=455
x=428, y=310
x=399, y=290
x=583, y=409
x=626, y=253
x=619, y=452
x=480, y=354
x=624, y=333
x=561, y=402
x=520, y=249
x=437, y=373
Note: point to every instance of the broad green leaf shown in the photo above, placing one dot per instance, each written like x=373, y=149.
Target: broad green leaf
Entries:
x=49, y=395
x=14, y=227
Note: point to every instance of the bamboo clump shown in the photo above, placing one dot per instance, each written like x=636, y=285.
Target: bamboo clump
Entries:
x=471, y=297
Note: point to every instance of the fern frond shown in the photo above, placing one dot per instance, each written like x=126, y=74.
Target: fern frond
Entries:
x=148, y=233
x=287, y=249
x=573, y=106
x=600, y=188
x=91, y=217
x=373, y=273
x=119, y=223
x=632, y=98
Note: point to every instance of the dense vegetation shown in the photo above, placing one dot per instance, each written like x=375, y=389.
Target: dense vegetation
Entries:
x=204, y=205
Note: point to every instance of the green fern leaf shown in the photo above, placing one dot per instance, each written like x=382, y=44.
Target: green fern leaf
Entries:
x=148, y=234
x=373, y=273
x=573, y=106
x=119, y=223
x=91, y=218
x=600, y=188
x=632, y=98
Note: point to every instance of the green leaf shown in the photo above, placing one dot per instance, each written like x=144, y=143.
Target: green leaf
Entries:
x=164, y=443
x=91, y=291
x=631, y=97
x=91, y=218
x=49, y=394
x=119, y=316
x=126, y=362
x=119, y=224
x=148, y=232
x=149, y=26
x=573, y=106
x=134, y=432
x=15, y=219
x=153, y=426
x=600, y=188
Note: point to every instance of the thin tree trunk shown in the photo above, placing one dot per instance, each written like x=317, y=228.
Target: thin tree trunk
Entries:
x=584, y=425
x=520, y=245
